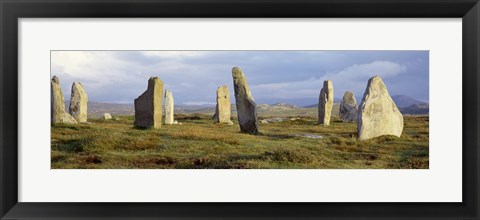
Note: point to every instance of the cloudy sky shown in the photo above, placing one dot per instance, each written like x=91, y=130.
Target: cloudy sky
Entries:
x=274, y=76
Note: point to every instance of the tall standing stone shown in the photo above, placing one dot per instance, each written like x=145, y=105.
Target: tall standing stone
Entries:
x=348, y=107
x=377, y=114
x=169, y=106
x=222, y=110
x=246, y=106
x=78, y=102
x=325, y=103
x=57, y=104
x=148, y=106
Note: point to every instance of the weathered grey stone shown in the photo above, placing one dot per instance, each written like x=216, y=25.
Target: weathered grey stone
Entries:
x=107, y=116
x=325, y=103
x=377, y=114
x=348, y=107
x=148, y=106
x=57, y=104
x=78, y=102
x=222, y=110
x=169, y=105
x=246, y=106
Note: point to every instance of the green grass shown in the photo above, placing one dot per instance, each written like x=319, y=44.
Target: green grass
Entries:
x=200, y=144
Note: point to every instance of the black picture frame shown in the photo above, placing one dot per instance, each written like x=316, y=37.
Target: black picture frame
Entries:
x=12, y=10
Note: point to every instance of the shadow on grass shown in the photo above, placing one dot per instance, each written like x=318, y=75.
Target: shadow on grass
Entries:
x=276, y=136
x=411, y=163
x=225, y=162
x=245, y=157
x=58, y=158
x=163, y=162
x=76, y=145
x=66, y=126
x=143, y=128
x=292, y=156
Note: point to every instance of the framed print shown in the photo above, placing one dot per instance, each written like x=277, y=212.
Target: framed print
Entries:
x=226, y=109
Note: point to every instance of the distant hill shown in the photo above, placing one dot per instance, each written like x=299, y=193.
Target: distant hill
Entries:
x=276, y=107
x=195, y=109
x=400, y=100
x=416, y=109
x=311, y=106
x=284, y=105
x=407, y=105
x=405, y=101
x=97, y=109
x=293, y=101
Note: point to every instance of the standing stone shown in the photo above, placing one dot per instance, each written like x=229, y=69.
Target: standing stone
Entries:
x=169, y=105
x=377, y=114
x=78, y=102
x=348, y=107
x=246, y=106
x=107, y=116
x=57, y=104
x=148, y=106
x=222, y=110
x=325, y=103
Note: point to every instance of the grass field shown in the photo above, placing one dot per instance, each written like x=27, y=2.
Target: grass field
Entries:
x=200, y=144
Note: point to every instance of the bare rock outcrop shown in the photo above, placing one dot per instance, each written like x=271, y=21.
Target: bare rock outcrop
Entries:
x=78, y=102
x=148, y=106
x=377, y=114
x=325, y=103
x=246, y=106
x=57, y=104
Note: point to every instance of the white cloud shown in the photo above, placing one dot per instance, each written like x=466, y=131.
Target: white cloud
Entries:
x=193, y=76
x=99, y=67
x=353, y=78
x=104, y=75
x=122, y=75
x=383, y=69
x=173, y=54
x=70, y=62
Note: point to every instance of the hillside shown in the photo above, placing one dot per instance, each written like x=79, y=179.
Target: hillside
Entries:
x=276, y=107
x=407, y=105
x=416, y=109
x=97, y=109
x=403, y=101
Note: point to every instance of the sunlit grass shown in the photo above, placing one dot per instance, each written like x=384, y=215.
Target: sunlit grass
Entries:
x=198, y=143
